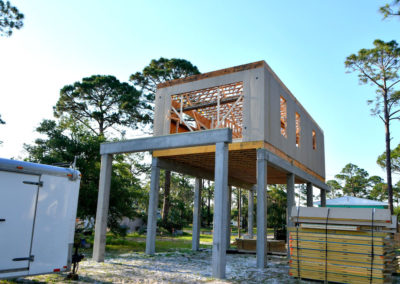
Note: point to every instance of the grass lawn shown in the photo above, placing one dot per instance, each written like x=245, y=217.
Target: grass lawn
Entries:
x=135, y=242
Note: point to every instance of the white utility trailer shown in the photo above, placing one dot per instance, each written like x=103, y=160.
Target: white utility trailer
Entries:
x=38, y=206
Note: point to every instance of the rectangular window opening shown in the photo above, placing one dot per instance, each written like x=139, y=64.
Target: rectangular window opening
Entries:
x=283, y=111
x=298, y=130
x=314, y=140
x=210, y=108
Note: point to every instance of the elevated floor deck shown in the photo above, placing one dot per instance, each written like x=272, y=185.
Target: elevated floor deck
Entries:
x=242, y=163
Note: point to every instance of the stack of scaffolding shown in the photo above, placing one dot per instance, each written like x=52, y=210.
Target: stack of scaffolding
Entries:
x=345, y=245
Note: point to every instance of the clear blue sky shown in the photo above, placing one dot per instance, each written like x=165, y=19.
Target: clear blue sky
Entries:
x=305, y=43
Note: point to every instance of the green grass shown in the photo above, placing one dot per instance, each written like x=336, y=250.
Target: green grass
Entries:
x=137, y=243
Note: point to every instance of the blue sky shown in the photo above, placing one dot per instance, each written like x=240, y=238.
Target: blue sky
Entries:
x=305, y=43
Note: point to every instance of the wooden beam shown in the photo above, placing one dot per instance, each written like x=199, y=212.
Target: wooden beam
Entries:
x=207, y=149
x=205, y=121
x=211, y=104
x=236, y=147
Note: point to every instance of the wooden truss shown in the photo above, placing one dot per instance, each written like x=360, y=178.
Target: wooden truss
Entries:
x=211, y=108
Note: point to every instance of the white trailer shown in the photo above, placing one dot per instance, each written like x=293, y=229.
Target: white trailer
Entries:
x=38, y=205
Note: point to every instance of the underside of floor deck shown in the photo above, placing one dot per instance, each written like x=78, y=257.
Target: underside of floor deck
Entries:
x=242, y=162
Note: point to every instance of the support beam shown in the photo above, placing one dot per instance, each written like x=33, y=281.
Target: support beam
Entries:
x=220, y=212
x=196, y=214
x=196, y=138
x=285, y=165
x=250, y=213
x=102, y=208
x=323, y=197
x=261, y=208
x=228, y=227
x=152, y=211
x=310, y=202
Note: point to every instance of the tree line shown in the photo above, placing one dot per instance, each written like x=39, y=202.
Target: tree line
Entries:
x=101, y=108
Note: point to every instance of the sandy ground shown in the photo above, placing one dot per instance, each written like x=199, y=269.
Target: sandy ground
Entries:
x=174, y=267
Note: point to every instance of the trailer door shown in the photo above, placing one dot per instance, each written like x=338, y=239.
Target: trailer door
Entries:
x=18, y=198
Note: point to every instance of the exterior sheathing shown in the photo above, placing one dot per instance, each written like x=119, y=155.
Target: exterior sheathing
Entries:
x=305, y=154
x=261, y=114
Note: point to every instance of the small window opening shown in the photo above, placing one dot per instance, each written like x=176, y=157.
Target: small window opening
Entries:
x=297, y=130
x=314, y=140
x=283, y=111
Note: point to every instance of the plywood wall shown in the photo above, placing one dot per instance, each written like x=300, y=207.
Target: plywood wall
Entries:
x=261, y=112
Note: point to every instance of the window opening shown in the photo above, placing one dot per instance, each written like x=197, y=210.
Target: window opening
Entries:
x=314, y=140
x=209, y=108
x=283, y=110
x=298, y=130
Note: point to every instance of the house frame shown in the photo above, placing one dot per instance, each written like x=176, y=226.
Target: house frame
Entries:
x=270, y=139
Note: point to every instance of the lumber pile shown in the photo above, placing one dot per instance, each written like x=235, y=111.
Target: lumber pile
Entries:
x=345, y=245
x=273, y=246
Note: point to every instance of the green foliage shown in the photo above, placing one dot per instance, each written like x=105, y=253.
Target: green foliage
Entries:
x=335, y=189
x=62, y=143
x=160, y=71
x=390, y=9
x=207, y=208
x=395, y=159
x=277, y=204
x=379, y=66
x=356, y=182
x=102, y=102
x=378, y=188
x=181, y=203
x=397, y=211
x=354, y=179
x=10, y=18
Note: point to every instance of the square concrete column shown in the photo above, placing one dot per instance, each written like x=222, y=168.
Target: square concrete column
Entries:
x=309, y=194
x=323, y=197
x=228, y=227
x=290, y=203
x=250, y=221
x=261, y=208
x=220, y=211
x=152, y=211
x=196, y=215
x=103, y=201
x=289, y=198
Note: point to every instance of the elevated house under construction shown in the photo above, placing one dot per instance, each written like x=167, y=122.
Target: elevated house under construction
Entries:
x=239, y=126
